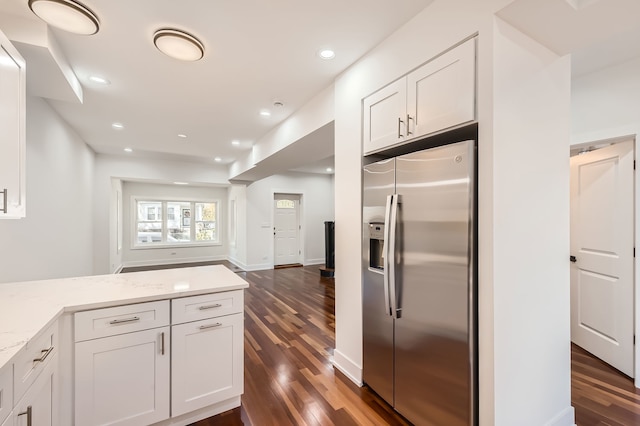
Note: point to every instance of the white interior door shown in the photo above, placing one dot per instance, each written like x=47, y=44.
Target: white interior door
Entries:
x=602, y=239
x=286, y=229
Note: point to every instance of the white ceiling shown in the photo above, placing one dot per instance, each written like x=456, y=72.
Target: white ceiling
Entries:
x=257, y=52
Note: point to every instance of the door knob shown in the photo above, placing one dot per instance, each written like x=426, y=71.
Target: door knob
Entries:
x=573, y=259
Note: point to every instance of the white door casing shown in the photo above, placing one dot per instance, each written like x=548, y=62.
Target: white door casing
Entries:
x=602, y=242
x=286, y=229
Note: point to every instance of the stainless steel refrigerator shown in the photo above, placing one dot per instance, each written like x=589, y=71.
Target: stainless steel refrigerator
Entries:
x=419, y=284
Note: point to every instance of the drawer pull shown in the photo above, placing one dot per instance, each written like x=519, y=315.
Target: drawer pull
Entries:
x=28, y=413
x=205, y=307
x=45, y=354
x=204, y=327
x=4, y=204
x=162, y=344
x=123, y=321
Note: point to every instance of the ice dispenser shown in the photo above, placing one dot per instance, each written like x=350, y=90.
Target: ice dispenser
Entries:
x=376, y=245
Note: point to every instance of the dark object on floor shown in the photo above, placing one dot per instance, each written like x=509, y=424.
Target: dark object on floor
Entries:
x=329, y=249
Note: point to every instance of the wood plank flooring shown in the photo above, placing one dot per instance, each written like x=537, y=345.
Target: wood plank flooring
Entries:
x=289, y=378
x=289, y=341
x=601, y=394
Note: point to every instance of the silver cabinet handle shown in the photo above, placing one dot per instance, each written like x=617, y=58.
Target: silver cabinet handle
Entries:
x=409, y=132
x=4, y=205
x=205, y=307
x=125, y=320
x=45, y=353
x=162, y=343
x=204, y=327
x=28, y=413
x=400, y=122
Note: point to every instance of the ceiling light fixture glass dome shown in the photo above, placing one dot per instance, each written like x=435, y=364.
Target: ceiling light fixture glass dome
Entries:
x=67, y=15
x=178, y=44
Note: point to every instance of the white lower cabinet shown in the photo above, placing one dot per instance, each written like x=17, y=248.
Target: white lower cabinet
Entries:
x=166, y=374
x=124, y=379
x=206, y=360
x=8, y=421
x=38, y=406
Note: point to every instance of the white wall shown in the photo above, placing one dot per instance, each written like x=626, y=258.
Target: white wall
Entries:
x=316, y=208
x=159, y=256
x=605, y=105
x=523, y=106
x=55, y=239
x=131, y=168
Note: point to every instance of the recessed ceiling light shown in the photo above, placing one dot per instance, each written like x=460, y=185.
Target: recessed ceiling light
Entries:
x=181, y=183
x=118, y=126
x=182, y=135
x=128, y=150
x=329, y=169
x=235, y=143
x=265, y=113
x=178, y=44
x=99, y=80
x=68, y=15
x=327, y=54
x=218, y=159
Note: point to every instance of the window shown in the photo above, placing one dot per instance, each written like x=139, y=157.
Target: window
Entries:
x=177, y=229
x=285, y=204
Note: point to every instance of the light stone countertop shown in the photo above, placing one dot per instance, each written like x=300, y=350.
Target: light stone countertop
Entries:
x=28, y=307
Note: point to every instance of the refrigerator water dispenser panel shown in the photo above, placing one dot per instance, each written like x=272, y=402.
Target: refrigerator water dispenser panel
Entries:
x=376, y=246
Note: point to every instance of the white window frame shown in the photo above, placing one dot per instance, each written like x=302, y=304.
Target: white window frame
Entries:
x=135, y=245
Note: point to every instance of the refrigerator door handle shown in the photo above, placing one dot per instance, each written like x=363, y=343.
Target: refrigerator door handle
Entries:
x=387, y=242
x=391, y=248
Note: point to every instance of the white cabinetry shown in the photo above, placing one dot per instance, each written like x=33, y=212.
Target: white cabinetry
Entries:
x=123, y=378
x=35, y=381
x=39, y=405
x=437, y=96
x=12, y=123
x=207, y=355
x=6, y=392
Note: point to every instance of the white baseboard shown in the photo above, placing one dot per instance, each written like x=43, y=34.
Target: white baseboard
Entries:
x=258, y=267
x=171, y=261
x=314, y=261
x=347, y=367
x=236, y=262
x=118, y=270
x=565, y=418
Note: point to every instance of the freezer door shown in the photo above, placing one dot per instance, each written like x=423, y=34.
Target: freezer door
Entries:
x=433, y=357
x=378, y=184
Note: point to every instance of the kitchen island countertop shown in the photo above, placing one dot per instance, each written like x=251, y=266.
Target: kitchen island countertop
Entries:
x=28, y=307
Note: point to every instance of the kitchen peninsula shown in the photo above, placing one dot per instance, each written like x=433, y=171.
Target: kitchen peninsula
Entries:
x=165, y=346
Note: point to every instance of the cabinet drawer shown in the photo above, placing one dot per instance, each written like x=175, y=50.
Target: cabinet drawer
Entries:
x=6, y=391
x=36, y=355
x=120, y=319
x=206, y=306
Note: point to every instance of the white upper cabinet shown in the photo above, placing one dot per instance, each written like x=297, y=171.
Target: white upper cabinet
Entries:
x=439, y=95
x=384, y=115
x=12, y=124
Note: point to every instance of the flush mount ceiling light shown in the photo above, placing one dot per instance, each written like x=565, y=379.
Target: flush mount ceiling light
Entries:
x=178, y=44
x=68, y=15
x=99, y=80
x=128, y=150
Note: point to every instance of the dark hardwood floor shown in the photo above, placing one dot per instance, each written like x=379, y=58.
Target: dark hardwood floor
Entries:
x=289, y=341
x=289, y=378
x=601, y=394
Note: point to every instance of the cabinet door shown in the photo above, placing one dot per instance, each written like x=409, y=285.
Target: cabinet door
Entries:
x=12, y=123
x=123, y=380
x=385, y=117
x=441, y=93
x=8, y=421
x=207, y=362
x=39, y=404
